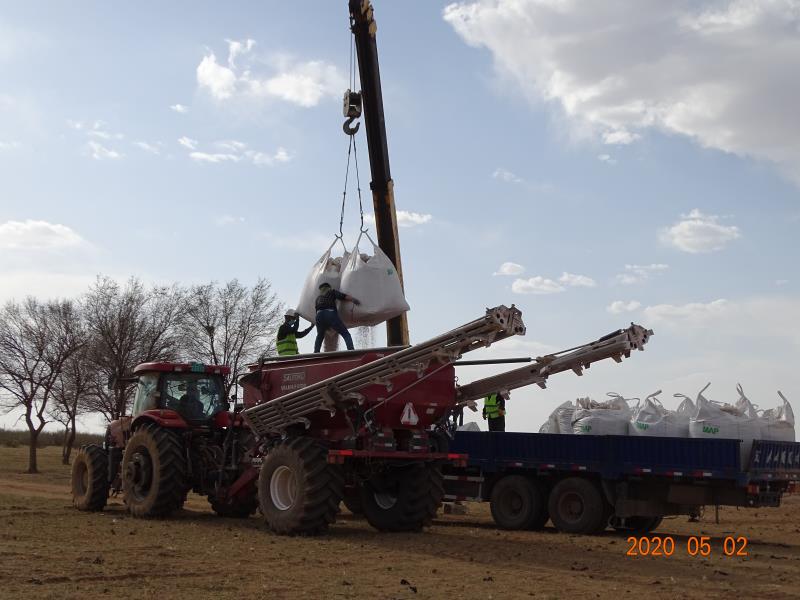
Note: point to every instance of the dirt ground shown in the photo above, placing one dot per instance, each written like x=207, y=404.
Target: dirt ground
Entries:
x=50, y=550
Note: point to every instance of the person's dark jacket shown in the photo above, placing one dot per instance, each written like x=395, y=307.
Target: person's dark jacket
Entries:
x=327, y=300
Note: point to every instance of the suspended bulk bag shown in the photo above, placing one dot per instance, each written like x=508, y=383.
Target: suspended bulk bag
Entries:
x=373, y=281
x=560, y=420
x=723, y=421
x=602, y=418
x=778, y=423
x=327, y=269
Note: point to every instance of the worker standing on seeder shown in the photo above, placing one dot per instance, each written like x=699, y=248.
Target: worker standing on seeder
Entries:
x=288, y=334
x=494, y=410
x=328, y=316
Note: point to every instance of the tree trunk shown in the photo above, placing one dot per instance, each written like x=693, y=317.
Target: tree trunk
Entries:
x=70, y=442
x=32, y=465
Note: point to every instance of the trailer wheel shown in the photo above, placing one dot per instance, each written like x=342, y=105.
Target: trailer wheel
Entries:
x=637, y=525
x=516, y=503
x=154, y=472
x=90, y=478
x=298, y=491
x=576, y=506
x=403, y=498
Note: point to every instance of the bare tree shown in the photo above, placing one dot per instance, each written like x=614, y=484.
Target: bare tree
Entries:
x=70, y=395
x=36, y=340
x=230, y=324
x=128, y=325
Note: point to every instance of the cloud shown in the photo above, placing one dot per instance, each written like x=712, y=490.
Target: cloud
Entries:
x=37, y=235
x=235, y=151
x=151, y=148
x=692, y=312
x=506, y=175
x=640, y=273
x=714, y=71
x=217, y=157
x=542, y=285
x=509, y=268
x=537, y=286
x=572, y=280
x=405, y=218
x=699, y=233
x=179, y=108
x=101, y=152
x=303, y=83
x=225, y=220
x=619, y=306
x=12, y=145
x=188, y=142
x=607, y=158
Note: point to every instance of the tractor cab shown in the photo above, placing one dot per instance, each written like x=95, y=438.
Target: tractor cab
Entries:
x=194, y=390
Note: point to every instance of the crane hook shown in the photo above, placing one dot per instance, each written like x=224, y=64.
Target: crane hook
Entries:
x=346, y=126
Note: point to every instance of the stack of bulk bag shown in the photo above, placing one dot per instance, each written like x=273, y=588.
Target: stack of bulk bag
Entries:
x=374, y=281
x=560, y=420
x=327, y=269
x=601, y=418
x=723, y=421
x=652, y=419
x=778, y=423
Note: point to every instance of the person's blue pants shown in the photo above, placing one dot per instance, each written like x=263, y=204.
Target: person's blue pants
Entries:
x=329, y=319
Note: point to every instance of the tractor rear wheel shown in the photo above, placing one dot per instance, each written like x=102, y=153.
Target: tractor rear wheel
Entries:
x=154, y=472
x=298, y=491
x=90, y=478
x=403, y=498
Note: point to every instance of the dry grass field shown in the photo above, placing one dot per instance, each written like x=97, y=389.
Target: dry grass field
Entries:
x=50, y=550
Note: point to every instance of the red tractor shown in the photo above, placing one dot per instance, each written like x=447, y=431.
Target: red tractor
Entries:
x=180, y=437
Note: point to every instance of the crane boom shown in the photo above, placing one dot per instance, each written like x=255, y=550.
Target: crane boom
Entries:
x=362, y=24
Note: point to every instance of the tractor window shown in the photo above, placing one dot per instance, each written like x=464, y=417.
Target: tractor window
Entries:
x=195, y=396
x=145, y=394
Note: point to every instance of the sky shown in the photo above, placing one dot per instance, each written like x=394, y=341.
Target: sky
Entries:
x=595, y=164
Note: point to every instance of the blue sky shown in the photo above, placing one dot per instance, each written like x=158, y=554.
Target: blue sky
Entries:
x=633, y=160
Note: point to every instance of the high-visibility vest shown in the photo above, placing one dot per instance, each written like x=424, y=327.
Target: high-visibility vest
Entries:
x=491, y=406
x=287, y=346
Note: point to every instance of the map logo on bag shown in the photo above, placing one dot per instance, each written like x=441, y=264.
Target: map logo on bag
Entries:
x=710, y=429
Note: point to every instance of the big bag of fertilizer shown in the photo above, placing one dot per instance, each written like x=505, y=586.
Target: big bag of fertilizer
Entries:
x=601, y=418
x=778, y=423
x=328, y=269
x=652, y=419
x=722, y=421
x=560, y=420
x=374, y=282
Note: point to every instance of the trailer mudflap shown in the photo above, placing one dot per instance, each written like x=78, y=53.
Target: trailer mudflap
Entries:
x=339, y=456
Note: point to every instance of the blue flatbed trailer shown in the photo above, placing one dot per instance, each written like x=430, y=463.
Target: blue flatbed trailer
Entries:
x=584, y=483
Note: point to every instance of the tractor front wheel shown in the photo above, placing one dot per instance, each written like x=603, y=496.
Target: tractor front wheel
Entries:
x=90, y=478
x=403, y=498
x=154, y=472
x=298, y=491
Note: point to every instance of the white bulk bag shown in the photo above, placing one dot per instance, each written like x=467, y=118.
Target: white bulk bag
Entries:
x=373, y=281
x=601, y=418
x=560, y=420
x=652, y=419
x=778, y=423
x=327, y=269
x=723, y=421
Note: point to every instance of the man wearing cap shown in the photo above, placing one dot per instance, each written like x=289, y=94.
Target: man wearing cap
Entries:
x=288, y=334
x=328, y=316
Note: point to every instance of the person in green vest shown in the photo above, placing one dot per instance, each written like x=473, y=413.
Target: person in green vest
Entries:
x=288, y=334
x=494, y=410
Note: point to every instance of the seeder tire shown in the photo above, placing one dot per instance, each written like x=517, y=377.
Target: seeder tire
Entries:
x=298, y=491
x=154, y=472
x=90, y=478
x=406, y=499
